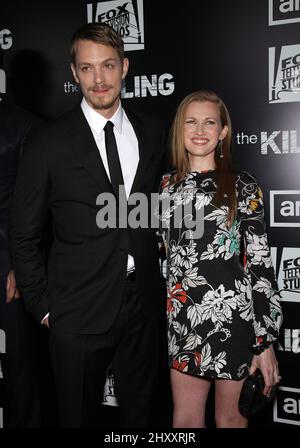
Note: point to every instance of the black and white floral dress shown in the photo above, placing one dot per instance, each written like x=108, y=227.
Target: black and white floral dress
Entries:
x=218, y=307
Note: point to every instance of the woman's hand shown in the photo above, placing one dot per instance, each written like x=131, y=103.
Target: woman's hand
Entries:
x=268, y=365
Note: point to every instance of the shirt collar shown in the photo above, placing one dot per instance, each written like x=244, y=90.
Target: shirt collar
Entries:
x=97, y=121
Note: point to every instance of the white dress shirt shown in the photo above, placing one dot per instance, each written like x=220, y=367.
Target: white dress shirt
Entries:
x=127, y=144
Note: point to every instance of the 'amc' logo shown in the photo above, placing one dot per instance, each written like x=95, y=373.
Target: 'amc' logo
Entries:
x=284, y=11
x=285, y=208
x=287, y=406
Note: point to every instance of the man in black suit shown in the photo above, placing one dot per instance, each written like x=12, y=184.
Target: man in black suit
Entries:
x=103, y=290
x=25, y=363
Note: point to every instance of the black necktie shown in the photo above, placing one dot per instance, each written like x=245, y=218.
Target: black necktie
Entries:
x=113, y=160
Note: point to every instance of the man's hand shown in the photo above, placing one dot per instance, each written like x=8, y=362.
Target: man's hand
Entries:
x=12, y=291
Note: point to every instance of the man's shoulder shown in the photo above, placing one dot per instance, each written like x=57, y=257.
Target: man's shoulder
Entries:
x=15, y=116
x=143, y=118
x=58, y=126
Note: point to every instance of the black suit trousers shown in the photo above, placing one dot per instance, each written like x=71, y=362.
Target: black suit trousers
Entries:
x=27, y=376
x=80, y=362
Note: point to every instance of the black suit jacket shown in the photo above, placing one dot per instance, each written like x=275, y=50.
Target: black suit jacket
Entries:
x=83, y=287
x=14, y=126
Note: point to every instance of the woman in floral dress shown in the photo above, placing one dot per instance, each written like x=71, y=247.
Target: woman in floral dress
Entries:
x=223, y=314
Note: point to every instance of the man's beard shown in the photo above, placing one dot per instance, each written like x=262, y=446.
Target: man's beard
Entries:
x=102, y=103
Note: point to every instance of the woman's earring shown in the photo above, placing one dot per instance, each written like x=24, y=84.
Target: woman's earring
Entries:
x=221, y=149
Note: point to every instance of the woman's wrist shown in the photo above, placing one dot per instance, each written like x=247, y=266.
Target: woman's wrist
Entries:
x=261, y=347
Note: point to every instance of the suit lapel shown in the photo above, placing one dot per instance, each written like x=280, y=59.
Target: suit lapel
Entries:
x=86, y=150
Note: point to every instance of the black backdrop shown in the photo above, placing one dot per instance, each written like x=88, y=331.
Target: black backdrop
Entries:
x=248, y=51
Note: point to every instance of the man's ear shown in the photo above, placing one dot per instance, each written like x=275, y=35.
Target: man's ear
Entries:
x=125, y=67
x=73, y=68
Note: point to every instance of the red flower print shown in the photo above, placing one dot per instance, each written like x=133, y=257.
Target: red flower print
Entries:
x=179, y=365
x=178, y=293
x=170, y=307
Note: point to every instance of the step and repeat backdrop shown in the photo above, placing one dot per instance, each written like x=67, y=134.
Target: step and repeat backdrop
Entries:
x=247, y=51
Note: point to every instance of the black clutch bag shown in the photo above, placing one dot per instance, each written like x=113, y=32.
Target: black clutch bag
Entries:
x=252, y=398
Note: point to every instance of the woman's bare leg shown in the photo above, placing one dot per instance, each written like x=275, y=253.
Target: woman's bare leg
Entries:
x=227, y=393
x=189, y=399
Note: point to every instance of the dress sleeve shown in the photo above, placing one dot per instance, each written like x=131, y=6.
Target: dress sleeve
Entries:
x=267, y=313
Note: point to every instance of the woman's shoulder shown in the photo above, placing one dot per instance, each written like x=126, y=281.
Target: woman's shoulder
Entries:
x=245, y=178
x=247, y=186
